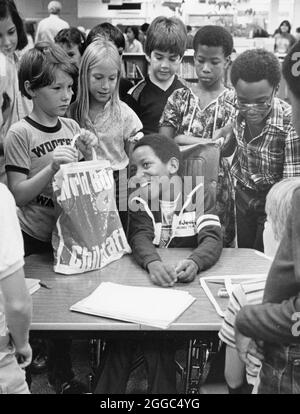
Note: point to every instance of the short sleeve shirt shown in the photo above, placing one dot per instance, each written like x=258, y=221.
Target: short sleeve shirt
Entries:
x=11, y=245
x=29, y=150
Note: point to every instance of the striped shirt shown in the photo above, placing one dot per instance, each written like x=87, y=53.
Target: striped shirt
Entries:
x=248, y=293
x=272, y=155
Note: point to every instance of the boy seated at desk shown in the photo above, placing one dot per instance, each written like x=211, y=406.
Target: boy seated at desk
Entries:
x=177, y=221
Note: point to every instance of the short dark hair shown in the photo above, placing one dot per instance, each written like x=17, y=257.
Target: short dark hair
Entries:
x=167, y=35
x=39, y=64
x=298, y=30
x=9, y=9
x=106, y=29
x=70, y=36
x=215, y=36
x=164, y=148
x=134, y=29
x=291, y=70
x=144, y=27
x=255, y=65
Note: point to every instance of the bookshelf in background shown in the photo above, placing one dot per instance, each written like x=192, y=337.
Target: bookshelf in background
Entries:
x=135, y=66
x=187, y=68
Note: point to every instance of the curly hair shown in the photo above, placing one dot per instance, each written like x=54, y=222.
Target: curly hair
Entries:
x=215, y=36
x=291, y=69
x=164, y=148
x=255, y=65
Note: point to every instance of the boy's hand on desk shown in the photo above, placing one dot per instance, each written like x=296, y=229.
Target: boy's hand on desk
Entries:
x=85, y=142
x=162, y=274
x=63, y=154
x=186, y=271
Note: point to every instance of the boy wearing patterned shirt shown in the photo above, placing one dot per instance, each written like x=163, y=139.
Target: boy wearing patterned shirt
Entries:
x=274, y=324
x=267, y=145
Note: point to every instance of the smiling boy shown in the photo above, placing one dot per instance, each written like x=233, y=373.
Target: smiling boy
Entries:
x=165, y=46
x=267, y=145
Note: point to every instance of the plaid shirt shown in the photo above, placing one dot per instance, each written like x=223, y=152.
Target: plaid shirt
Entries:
x=271, y=156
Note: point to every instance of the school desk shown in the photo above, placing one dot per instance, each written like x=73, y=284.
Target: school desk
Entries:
x=51, y=306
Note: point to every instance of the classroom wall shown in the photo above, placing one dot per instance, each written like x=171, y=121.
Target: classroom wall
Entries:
x=37, y=10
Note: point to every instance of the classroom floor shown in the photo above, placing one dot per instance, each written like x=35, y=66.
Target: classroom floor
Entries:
x=136, y=385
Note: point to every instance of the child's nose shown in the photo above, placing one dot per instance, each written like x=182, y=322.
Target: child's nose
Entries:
x=206, y=67
x=165, y=63
x=104, y=84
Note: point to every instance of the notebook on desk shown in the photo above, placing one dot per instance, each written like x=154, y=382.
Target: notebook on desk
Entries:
x=157, y=307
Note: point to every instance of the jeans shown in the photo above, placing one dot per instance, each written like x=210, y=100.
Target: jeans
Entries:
x=12, y=377
x=280, y=372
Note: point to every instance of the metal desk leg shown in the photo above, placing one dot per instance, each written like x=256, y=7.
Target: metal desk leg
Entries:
x=198, y=363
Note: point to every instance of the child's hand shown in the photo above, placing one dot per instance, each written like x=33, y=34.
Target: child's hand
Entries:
x=186, y=270
x=162, y=274
x=24, y=355
x=223, y=135
x=85, y=142
x=63, y=154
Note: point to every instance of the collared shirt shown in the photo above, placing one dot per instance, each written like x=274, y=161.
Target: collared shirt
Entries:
x=271, y=156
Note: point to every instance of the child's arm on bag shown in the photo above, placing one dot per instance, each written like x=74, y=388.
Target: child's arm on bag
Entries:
x=26, y=189
x=85, y=142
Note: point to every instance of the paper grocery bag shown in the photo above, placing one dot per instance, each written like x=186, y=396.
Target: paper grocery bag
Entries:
x=88, y=234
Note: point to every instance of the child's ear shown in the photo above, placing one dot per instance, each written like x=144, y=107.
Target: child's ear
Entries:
x=227, y=61
x=173, y=165
x=28, y=89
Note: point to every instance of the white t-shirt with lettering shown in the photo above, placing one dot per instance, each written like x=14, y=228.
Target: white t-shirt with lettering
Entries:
x=28, y=150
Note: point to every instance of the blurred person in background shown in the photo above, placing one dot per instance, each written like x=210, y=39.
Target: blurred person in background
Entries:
x=51, y=25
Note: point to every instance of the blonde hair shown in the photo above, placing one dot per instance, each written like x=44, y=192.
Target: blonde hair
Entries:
x=278, y=204
x=99, y=51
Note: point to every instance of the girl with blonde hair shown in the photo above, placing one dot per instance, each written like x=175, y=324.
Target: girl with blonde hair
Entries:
x=99, y=109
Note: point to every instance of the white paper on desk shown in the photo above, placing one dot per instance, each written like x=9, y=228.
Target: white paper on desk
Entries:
x=228, y=281
x=157, y=307
x=32, y=285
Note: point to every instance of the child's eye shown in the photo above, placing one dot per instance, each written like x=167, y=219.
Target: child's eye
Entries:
x=113, y=78
x=146, y=164
x=12, y=31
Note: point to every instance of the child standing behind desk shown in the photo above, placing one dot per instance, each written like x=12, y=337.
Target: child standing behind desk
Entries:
x=15, y=301
x=164, y=48
x=202, y=111
x=99, y=109
x=36, y=147
x=177, y=223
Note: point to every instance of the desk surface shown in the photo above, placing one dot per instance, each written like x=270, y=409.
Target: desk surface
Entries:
x=51, y=307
